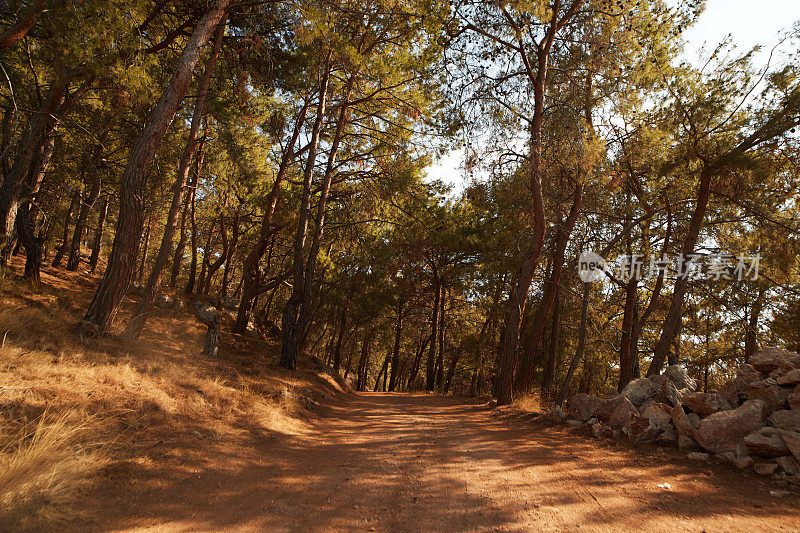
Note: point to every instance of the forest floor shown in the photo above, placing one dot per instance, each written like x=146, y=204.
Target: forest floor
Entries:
x=176, y=443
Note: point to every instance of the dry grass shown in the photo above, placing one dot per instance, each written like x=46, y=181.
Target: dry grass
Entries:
x=45, y=472
x=136, y=395
x=531, y=403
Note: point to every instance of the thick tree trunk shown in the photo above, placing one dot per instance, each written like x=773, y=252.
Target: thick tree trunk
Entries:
x=669, y=331
x=290, y=345
x=137, y=322
x=105, y=304
x=62, y=249
x=98, y=234
x=86, y=206
x=626, y=348
x=38, y=128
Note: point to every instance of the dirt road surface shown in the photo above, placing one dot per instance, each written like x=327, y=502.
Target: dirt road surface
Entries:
x=386, y=462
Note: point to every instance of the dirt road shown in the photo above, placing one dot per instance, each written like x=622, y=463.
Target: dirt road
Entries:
x=383, y=462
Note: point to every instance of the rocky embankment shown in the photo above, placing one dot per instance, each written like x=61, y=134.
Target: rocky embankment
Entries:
x=752, y=421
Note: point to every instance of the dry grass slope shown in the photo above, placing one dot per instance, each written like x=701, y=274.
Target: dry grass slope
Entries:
x=76, y=415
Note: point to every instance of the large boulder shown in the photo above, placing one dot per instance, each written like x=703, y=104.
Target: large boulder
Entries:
x=658, y=414
x=622, y=415
x=582, y=406
x=639, y=391
x=768, y=390
x=770, y=359
x=767, y=442
x=788, y=419
x=680, y=378
x=722, y=431
x=705, y=404
x=607, y=406
x=792, y=440
x=683, y=424
x=667, y=392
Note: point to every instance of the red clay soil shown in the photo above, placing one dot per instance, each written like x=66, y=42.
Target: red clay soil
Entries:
x=400, y=462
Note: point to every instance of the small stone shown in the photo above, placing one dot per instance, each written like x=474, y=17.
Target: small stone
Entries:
x=789, y=464
x=682, y=423
x=574, y=423
x=744, y=462
x=780, y=493
x=790, y=378
x=726, y=457
x=698, y=456
x=687, y=444
x=792, y=441
x=765, y=469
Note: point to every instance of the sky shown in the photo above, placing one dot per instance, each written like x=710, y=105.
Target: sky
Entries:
x=747, y=22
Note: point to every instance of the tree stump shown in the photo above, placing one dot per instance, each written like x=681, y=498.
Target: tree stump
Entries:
x=210, y=317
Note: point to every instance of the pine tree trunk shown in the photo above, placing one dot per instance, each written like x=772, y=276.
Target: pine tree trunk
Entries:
x=430, y=370
x=98, y=234
x=398, y=330
x=117, y=277
x=290, y=345
x=86, y=206
x=62, y=250
x=548, y=375
x=137, y=322
x=576, y=358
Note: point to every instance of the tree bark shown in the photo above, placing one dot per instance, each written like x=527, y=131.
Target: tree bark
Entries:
x=11, y=36
x=62, y=249
x=290, y=345
x=139, y=318
x=430, y=375
x=548, y=375
x=105, y=304
x=751, y=335
x=86, y=206
x=212, y=269
x=576, y=358
x=398, y=329
x=195, y=237
x=669, y=330
x=98, y=234
x=251, y=274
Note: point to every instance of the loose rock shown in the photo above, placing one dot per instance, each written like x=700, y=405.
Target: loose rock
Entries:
x=705, y=404
x=722, y=431
x=766, y=441
x=788, y=419
x=582, y=406
x=765, y=469
x=639, y=391
x=680, y=378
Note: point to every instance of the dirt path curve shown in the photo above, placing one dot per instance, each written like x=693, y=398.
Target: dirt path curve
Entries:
x=384, y=462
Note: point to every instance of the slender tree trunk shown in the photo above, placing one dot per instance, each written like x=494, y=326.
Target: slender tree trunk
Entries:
x=430, y=375
x=669, y=330
x=98, y=234
x=576, y=358
x=145, y=248
x=227, y=273
x=86, y=206
x=290, y=346
x=398, y=329
x=212, y=269
x=524, y=381
x=137, y=322
x=440, y=358
x=189, y=289
x=548, y=375
x=105, y=304
x=751, y=335
x=337, y=353
x=382, y=373
x=201, y=279
x=62, y=249
x=304, y=314
x=251, y=275
x=363, y=360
